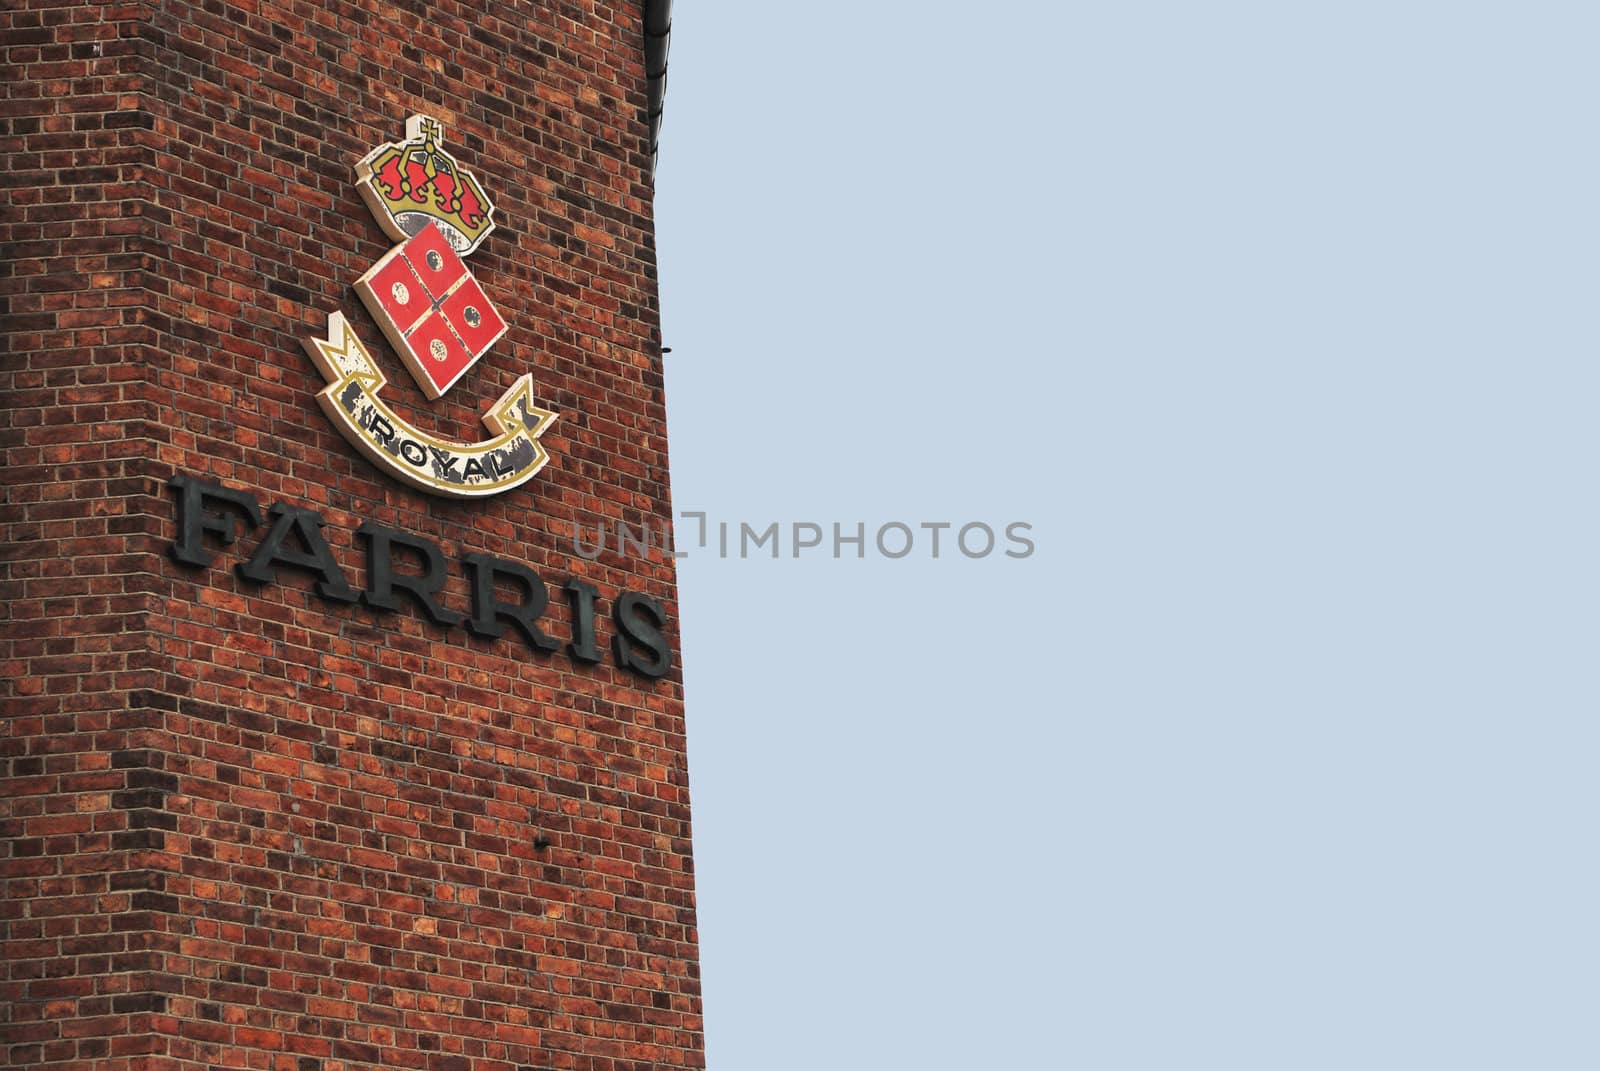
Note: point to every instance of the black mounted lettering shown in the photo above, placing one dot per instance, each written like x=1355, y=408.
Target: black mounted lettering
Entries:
x=314, y=557
x=195, y=520
x=489, y=614
x=582, y=595
x=630, y=614
x=383, y=581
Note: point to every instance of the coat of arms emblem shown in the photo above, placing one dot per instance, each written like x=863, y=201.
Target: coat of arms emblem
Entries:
x=438, y=318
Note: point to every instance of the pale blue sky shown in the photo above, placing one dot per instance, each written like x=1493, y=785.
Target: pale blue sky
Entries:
x=1276, y=321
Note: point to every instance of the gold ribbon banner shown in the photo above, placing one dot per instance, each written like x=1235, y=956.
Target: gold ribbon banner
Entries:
x=467, y=470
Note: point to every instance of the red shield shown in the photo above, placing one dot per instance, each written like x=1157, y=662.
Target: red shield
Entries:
x=432, y=309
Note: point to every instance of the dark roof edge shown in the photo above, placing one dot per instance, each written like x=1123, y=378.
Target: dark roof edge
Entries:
x=657, y=36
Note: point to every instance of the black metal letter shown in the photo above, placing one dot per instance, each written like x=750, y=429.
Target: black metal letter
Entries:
x=489, y=614
x=316, y=557
x=383, y=581
x=194, y=521
x=631, y=610
x=582, y=595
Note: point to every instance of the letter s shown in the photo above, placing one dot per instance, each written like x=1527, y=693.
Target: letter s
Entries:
x=639, y=618
x=1011, y=533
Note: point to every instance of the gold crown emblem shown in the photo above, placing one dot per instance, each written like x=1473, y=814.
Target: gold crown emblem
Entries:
x=409, y=184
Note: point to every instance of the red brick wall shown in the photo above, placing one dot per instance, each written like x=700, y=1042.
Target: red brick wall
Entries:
x=246, y=827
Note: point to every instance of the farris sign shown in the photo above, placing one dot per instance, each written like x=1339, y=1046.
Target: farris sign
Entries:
x=209, y=514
